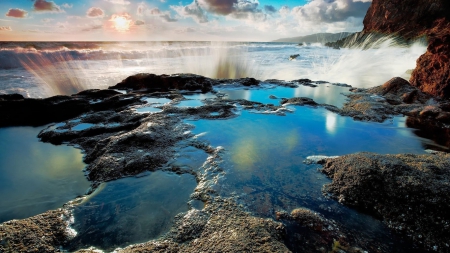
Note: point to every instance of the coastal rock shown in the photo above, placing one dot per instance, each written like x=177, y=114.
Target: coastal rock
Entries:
x=19, y=111
x=158, y=83
x=379, y=103
x=409, y=192
x=311, y=232
x=425, y=18
x=183, y=82
x=432, y=74
x=299, y=101
x=42, y=233
x=220, y=227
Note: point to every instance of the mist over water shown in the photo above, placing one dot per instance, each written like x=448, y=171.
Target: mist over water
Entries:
x=41, y=69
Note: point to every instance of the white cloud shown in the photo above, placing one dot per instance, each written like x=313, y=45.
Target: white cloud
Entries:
x=95, y=12
x=119, y=2
x=330, y=11
x=192, y=10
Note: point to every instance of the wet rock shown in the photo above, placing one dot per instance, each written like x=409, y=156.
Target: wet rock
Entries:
x=430, y=111
x=46, y=232
x=221, y=227
x=395, y=97
x=311, y=232
x=293, y=57
x=409, y=192
x=158, y=83
x=433, y=130
x=299, y=101
x=19, y=111
x=273, y=97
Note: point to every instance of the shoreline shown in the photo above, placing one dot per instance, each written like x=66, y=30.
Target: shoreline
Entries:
x=120, y=135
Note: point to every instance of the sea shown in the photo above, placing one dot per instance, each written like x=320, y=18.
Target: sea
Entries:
x=42, y=69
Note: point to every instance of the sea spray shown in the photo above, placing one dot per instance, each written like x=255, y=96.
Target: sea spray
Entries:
x=42, y=69
x=368, y=63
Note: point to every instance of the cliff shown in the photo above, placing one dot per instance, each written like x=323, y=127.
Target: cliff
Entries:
x=410, y=19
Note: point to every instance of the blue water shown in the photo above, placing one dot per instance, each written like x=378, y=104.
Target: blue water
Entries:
x=265, y=153
x=35, y=176
x=131, y=210
x=82, y=126
x=190, y=103
x=322, y=94
x=148, y=109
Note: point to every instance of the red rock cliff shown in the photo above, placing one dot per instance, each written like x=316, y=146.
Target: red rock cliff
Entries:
x=411, y=19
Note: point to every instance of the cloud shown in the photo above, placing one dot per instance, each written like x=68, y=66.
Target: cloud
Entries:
x=139, y=22
x=5, y=28
x=143, y=10
x=120, y=2
x=67, y=6
x=47, y=20
x=248, y=10
x=44, y=6
x=192, y=10
x=329, y=11
x=95, y=12
x=185, y=30
x=270, y=9
x=221, y=7
x=16, y=13
x=92, y=26
x=284, y=11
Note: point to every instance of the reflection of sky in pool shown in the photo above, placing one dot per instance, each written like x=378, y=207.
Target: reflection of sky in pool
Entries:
x=148, y=109
x=131, y=210
x=189, y=103
x=265, y=153
x=35, y=176
x=322, y=94
x=157, y=100
x=199, y=96
x=82, y=126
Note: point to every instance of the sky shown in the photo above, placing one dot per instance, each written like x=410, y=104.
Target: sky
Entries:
x=172, y=20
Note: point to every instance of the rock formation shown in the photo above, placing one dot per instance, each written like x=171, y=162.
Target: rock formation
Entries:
x=411, y=19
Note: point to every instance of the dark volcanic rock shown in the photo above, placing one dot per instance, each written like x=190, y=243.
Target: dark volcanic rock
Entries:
x=19, y=111
x=311, y=232
x=299, y=101
x=409, y=192
x=424, y=18
x=220, y=227
x=152, y=82
x=395, y=97
x=42, y=233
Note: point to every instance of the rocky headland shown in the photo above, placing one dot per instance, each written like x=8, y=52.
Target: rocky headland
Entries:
x=406, y=22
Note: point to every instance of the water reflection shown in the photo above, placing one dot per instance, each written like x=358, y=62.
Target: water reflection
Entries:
x=131, y=210
x=265, y=153
x=322, y=94
x=35, y=176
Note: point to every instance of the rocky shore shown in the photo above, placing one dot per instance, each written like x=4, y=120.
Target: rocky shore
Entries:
x=409, y=192
x=119, y=142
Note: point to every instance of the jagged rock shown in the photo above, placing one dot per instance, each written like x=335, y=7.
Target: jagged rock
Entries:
x=425, y=18
x=409, y=192
x=45, y=232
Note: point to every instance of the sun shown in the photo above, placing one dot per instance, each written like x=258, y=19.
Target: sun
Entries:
x=121, y=23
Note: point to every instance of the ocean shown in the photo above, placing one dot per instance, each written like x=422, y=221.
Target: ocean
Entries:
x=42, y=69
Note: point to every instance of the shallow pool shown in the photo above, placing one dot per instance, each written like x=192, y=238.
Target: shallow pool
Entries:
x=35, y=176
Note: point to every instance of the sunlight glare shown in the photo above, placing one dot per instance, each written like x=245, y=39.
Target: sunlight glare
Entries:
x=121, y=23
